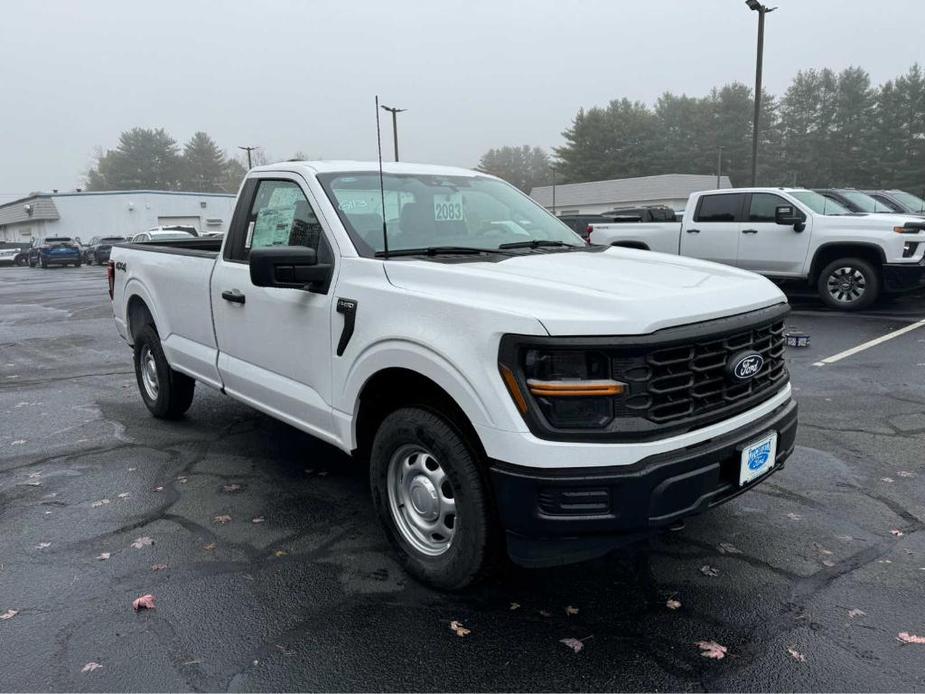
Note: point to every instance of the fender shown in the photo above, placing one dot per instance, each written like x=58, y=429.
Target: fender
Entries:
x=135, y=287
x=814, y=268
x=406, y=354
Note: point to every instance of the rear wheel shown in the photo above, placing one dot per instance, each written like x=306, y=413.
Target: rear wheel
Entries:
x=431, y=498
x=848, y=284
x=22, y=260
x=44, y=264
x=168, y=394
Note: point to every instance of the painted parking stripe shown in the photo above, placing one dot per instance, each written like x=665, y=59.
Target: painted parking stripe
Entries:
x=870, y=343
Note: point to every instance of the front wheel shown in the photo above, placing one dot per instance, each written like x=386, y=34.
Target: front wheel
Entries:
x=22, y=260
x=168, y=394
x=848, y=284
x=431, y=498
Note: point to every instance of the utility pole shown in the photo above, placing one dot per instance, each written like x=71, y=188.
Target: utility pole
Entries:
x=394, y=111
x=553, y=168
x=719, y=166
x=762, y=10
x=249, y=149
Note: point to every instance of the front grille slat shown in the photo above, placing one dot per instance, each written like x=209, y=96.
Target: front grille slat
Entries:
x=674, y=384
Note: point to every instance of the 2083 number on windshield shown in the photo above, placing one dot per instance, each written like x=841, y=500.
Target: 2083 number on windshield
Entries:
x=448, y=208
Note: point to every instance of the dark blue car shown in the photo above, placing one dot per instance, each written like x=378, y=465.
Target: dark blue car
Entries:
x=56, y=250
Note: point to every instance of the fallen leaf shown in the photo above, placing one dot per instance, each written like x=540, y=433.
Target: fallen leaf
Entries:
x=257, y=519
x=280, y=553
x=309, y=471
x=571, y=610
x=828, y=562
x=856, y=613
x=575, y=644
x=158, y=489
x=142, y=542
x=544, y=613
x=283, y=649
x=124, y=495
x=726, y=548
x=906, y=637
x=9, y=614
x=132, y=469
x=796, y=655
x=231, y=488
x=145, y=602
x=515, y=605
x=158, y=567
x=182, y=480
x=18, y=442
x=896, y=532
x=101, y=502
x=323, y=473
x=209, y=547
x=90, y=667
x=708, y=570
x=43, y=545
x=711, y=649
x=222, y=520
x=33, y=483
x=673, y=604
x=459, y=629
x=905, y=473
x=844, y=538
x=794, y=516
x=884, y=561
x=888, y=480
x=104, y=556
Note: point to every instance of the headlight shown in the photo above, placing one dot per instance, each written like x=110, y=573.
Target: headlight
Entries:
x=572, y=389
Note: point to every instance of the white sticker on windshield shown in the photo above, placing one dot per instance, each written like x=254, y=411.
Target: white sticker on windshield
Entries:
x=448, y=207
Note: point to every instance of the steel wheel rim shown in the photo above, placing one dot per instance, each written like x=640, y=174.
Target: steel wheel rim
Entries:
x=421, y=500
x=149, y=372
x=846, y=284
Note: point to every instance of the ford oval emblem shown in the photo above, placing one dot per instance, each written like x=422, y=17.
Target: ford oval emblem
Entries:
x=744, y=366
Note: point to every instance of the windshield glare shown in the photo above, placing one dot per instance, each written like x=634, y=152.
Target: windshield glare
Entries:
x=864, y=202
x=819, y=204
x=424, y=211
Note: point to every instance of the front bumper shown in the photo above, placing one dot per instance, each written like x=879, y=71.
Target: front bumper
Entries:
x=903, y=277
x=564, y=515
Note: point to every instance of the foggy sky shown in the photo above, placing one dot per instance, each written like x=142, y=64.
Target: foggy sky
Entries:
x=290, y=75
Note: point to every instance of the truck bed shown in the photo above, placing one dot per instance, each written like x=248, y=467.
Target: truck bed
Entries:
x=206, y=248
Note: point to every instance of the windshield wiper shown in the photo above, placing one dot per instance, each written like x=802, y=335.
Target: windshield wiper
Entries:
x=535, y=243
x=436, y=250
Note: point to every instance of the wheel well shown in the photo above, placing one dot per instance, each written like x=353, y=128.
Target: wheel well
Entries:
x=391, y=389
x=630, y=244
x=827, y=254
x=138, y=316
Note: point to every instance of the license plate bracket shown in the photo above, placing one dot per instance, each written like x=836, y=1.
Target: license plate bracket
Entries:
x=757, y=458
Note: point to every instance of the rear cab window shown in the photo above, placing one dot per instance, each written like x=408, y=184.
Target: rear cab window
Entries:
x=721, y=207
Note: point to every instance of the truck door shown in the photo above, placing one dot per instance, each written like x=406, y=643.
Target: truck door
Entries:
x=274, y=344
x=713, y=233
x=770, y=248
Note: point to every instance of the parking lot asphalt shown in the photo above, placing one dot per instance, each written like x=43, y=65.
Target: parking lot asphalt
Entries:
x=270, y=573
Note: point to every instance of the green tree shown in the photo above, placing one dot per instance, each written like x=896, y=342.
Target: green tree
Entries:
x=232, y=175
x=204, y=166
x=524, y=167
x=143, y=159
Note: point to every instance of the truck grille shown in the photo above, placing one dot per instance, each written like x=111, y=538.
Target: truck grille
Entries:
x=689, y=380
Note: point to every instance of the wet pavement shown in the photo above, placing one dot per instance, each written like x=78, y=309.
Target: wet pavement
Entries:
x=817, y=570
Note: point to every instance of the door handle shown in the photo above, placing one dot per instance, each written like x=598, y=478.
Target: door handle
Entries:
x=234, y=296
x=749, y=231
x=693, y=231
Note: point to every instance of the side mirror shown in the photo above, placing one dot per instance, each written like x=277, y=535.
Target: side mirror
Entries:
x=788, y=215
x=289, y=267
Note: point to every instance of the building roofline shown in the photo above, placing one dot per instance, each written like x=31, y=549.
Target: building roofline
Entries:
x=27, y=198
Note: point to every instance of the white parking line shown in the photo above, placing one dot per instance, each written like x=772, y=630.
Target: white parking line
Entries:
x=870, y=343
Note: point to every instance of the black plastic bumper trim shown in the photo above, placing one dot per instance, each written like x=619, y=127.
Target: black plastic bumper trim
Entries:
x=903, y=278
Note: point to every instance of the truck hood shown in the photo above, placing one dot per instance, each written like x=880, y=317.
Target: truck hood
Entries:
x=619, y=291
x=874, y=222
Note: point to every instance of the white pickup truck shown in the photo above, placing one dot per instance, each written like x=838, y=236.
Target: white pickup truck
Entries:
x=512, y=388
x=790, y=234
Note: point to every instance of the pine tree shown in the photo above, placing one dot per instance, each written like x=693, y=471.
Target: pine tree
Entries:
x=204, y=167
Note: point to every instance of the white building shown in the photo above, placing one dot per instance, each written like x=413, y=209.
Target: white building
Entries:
x=111, y=213
x=595, y=197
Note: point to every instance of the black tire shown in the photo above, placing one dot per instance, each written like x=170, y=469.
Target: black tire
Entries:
x=173, y=394
x=22, y=260
x=78, y=264
x=848, y=284
x=89, y=260
x=43, y=263
x=473, y=548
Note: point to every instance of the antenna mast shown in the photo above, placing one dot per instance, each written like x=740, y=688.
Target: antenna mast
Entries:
x=385, y=230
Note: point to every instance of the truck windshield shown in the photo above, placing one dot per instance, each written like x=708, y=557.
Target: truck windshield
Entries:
x=864, y=202
x=909, y=201
x=423, y=211
x=819, y=204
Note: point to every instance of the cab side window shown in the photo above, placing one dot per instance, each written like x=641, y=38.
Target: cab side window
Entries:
x=725, y=207
x=763, y=206
x=280, y=215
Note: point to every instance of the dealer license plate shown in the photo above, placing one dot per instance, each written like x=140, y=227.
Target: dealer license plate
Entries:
x=758, y=458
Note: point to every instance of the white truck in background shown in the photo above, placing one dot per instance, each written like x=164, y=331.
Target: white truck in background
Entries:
x=790, y=234
x=511, y=387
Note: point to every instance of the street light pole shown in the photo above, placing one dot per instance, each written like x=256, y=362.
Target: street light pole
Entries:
x=553, y=169
x=249, y=149
x=394, y=112
x=719, y=166
x=762, y=10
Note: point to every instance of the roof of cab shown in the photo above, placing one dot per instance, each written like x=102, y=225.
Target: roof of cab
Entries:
x=395, y=167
